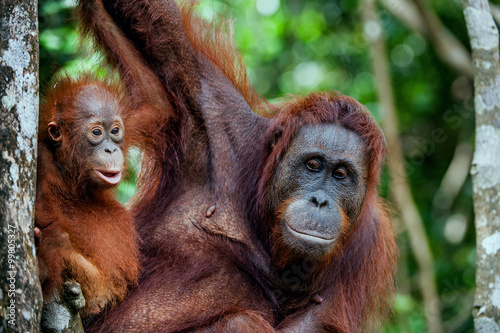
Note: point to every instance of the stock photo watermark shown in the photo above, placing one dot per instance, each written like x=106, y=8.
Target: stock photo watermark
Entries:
x=11, y=274
x=454, y=117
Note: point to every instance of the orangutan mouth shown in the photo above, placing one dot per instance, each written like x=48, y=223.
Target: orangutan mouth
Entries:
x=109, y=176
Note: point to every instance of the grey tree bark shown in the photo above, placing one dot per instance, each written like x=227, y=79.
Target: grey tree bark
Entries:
x=20, y=294
x=485, y=170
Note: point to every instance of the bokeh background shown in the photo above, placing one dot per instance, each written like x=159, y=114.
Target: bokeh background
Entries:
x=295, y=46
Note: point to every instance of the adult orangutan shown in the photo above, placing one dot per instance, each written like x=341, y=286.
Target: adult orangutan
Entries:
x=83, y=233
x=250, y=224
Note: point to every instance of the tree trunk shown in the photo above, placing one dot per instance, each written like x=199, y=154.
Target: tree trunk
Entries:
x=486, y=163
x=20, y=294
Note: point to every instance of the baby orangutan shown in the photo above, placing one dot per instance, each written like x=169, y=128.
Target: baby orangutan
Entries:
x=84, y=234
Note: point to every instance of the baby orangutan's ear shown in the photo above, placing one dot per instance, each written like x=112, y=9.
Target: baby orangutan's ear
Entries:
x=54, y=132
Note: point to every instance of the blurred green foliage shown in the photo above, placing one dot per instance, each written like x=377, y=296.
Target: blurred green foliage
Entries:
x=292, y=47
x=58, y=37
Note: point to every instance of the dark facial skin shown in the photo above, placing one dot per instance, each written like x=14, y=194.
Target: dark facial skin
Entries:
x=319, y=188
x=100, y=138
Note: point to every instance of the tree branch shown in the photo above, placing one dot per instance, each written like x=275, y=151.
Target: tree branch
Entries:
x=483, y=35
x=407, y=13
x=454, y=178
x=400, y=188
x=420, y=18
x=495, y=12
x=20, y=293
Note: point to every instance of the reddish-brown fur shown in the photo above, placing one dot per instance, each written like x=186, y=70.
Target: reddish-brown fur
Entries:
x=86, y=235
x=356, y=280
x=221, y=271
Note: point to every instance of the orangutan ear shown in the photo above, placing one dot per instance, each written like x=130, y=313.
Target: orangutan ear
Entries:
x=54, y=132
x=276, y=136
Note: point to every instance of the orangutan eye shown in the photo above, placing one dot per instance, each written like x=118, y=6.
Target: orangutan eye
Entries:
x=97, y=132
x=314, y=164
x=340, y=173
x=115, y=131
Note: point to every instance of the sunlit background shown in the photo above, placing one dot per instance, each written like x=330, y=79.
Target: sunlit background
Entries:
x=292, y=47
